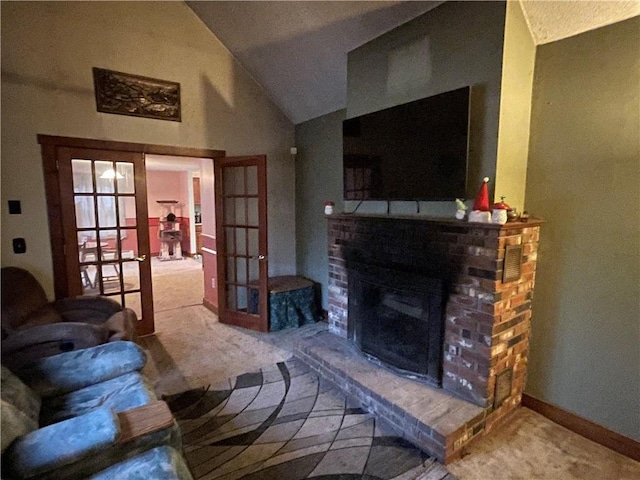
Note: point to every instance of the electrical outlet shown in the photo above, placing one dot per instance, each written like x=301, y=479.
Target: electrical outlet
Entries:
x=19, y=245
x=213, y=283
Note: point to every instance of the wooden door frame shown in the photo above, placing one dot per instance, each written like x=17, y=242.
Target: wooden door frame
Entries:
x=49, y=145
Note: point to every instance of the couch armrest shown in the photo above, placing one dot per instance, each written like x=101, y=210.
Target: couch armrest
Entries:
x=61, y=444
x=96, y=310
x=141, y=421
x=26, y=346
x=72, y=371
x=122, y=326
x=160, y=463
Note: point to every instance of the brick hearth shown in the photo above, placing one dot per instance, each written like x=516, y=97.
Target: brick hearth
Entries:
x=486, y=322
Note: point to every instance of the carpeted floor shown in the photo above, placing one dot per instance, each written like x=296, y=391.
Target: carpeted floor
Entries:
x=176, y=284
x=191, y=349
x=282, y=422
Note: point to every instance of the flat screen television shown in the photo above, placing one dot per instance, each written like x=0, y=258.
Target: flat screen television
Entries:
x=414, y=151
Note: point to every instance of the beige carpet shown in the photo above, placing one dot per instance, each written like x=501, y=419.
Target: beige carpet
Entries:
x=533, y=447
x=192, y=349
x=176, y=283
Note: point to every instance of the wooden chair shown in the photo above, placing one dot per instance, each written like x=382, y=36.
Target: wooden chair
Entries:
x=84, y=269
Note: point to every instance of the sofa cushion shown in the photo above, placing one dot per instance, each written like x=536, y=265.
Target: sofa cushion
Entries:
x=56, y=446
x=16, y=393
x=117, y=453
x=122, y=326
x=160, y=463
x=119, y=394
x=66, y=372
x=14, y=423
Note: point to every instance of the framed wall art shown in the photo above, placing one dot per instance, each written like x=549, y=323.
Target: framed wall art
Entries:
x=135, y=95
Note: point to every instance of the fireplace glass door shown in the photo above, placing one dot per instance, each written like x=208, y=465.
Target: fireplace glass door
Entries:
x=396, y=317
x=394, y=327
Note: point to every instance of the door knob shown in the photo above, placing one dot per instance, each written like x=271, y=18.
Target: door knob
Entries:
x=142, y=258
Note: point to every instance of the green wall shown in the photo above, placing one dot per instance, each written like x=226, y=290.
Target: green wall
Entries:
x=584, y=178
x=455, y=45
x=318, y=179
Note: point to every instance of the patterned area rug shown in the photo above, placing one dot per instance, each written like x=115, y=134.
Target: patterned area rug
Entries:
x=283, y=422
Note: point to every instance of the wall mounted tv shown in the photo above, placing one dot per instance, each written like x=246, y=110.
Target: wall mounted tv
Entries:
x=414, y=151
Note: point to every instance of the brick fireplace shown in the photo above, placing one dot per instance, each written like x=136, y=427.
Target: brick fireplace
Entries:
x=486, y=316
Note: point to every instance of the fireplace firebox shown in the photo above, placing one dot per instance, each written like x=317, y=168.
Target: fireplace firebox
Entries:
x=396, y=319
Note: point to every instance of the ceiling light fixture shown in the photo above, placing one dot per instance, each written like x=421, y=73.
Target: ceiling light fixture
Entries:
x=110, y=174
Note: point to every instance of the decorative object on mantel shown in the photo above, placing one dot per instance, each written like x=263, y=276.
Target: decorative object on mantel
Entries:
x=481, y=213
x=135, y=95
x=512, y=215
x=499, y=212
x=461, y=209
x=328, y=208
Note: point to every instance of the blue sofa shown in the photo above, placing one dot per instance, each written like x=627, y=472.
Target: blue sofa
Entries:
x=72, y=416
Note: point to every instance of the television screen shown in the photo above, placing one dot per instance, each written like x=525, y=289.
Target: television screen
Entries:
x=413, y=151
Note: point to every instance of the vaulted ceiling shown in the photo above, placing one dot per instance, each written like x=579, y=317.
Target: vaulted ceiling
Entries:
x=297, y=50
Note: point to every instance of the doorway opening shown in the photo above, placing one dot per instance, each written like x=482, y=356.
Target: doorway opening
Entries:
x=176, y=210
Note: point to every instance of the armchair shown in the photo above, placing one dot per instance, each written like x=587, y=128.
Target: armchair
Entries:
x=33, y=327
x=76, y=414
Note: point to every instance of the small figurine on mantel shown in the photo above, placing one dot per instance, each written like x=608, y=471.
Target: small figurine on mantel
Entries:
x=500, y=212
x=461, y=209
x=481, y=212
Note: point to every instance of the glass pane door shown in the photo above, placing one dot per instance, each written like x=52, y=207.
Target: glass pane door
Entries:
x=241, y=201
x=112, y=244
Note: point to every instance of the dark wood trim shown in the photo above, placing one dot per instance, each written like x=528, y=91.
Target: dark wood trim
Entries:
x=146, y=324
x=263, y=242
x=54, y=214
x=209, y=305
x=588, y=429
x=129, y=147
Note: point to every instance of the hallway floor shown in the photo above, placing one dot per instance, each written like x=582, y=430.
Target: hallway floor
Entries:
x=192, y=349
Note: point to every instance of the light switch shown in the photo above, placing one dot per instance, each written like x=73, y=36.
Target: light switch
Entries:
x=14, y=207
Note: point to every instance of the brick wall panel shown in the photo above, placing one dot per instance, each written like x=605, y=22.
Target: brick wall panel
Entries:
x=486, y=322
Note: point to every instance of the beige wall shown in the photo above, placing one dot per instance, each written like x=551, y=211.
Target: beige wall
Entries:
x=584, y=179
x=515, y=108
x=48, y=50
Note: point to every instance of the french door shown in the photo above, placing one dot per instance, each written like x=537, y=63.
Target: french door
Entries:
x=241, y=241
x=106, y=236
